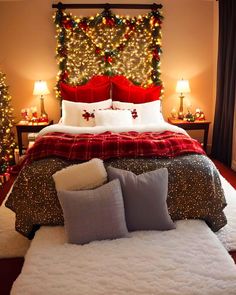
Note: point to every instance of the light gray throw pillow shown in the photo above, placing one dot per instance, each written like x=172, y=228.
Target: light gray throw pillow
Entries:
x=144, y=198
x=94, y=214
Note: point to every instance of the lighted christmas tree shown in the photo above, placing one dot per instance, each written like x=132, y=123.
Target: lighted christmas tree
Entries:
x=7, y=141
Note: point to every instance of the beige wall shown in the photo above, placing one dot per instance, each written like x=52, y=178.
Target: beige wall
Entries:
x=27, y=51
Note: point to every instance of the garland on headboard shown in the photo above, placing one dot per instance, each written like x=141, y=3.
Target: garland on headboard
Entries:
x=109, y=44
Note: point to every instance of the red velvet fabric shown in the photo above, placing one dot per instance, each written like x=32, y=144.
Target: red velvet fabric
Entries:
x=97, y=89
x=125, y=91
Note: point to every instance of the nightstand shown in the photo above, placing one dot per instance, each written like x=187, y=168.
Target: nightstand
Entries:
x=196, y=125
x=23, y=127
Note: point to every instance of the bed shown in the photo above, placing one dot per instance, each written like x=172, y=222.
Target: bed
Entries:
x=194, y=189
x=127, y=132
x=133, y=138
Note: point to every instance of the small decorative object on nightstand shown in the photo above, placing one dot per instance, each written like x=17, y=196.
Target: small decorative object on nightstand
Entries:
x=181, y=88
x=189, y=117
x=196, y=125
x=23, y=127
x=199, y=115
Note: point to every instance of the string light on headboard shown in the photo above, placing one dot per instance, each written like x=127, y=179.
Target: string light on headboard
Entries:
x=109, y=44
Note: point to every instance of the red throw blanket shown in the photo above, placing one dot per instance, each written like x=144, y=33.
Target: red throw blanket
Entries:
x=112, y=145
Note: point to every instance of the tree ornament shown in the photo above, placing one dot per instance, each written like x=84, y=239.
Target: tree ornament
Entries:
x=83, y=25
x=67, y=23
x=97, y=50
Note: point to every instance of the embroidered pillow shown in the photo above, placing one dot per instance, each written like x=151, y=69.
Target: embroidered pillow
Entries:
x=94, y=214
x=82, y=176
x=143, y=113
x=113, y=118
x=82, y=114
x=125, y=91
x=97, y=89
x=144, y=198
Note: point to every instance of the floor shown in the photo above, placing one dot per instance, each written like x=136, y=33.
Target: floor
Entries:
x=11, y=268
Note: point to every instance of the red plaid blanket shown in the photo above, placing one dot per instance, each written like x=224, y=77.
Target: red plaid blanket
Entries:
x=112, y=145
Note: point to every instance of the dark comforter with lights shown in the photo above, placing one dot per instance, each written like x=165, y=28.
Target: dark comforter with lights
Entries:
x=194, y=190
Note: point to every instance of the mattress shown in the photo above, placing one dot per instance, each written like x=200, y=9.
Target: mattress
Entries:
x=188, y=260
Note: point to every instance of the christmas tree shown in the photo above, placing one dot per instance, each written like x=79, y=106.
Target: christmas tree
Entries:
x=7, y=141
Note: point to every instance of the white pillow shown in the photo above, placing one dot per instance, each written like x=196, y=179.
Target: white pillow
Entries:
x=82, y=114
x=70, y=113
x=87, y=175
x=150, y=112
x=113, y=118
x=136, y=117
x=147, y=113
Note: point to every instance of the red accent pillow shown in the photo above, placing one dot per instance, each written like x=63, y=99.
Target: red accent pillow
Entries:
x=125, y=91
x=99, y=80
x=95, y=90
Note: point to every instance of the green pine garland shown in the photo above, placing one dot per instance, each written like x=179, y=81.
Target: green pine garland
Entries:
x=69, y=27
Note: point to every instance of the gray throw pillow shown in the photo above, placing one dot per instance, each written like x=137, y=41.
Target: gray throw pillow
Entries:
x=144, y=198
x=94, y=214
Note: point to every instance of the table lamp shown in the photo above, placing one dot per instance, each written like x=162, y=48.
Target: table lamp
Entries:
x=41, y=88
x=182, y=87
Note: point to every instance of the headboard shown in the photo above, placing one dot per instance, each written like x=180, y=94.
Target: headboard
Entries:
x=108, y=44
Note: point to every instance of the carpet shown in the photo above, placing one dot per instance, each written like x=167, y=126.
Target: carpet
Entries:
x=12, y=244
x=227, y=235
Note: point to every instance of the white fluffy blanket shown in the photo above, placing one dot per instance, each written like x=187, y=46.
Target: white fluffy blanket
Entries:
x=12, y=244
x=188, y=260
x=227, y=235
x=161, y=127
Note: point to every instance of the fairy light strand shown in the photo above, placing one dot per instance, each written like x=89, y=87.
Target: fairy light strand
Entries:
x=108, y=44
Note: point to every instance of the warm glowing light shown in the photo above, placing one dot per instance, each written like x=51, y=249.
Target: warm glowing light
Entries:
x=109, y=44
x=182, y=86
x=40, y=88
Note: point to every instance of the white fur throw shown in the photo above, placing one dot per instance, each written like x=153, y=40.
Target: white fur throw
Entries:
x=87, y=175
x=189, y=260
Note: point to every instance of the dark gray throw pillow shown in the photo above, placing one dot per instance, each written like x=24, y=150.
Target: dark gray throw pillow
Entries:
x=144, y=198
x=94, y=214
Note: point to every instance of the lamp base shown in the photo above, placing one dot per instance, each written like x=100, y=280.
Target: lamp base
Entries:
x=43, y=118
x=181, y=107
x=180, y=115
x=44, y=115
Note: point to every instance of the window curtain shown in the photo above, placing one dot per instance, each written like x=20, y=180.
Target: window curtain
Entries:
x=226, y=83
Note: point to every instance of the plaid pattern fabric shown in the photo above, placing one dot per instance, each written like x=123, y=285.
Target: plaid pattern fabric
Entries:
x=112, y=145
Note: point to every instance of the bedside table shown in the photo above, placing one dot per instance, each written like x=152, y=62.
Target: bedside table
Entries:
x=23, y=127
x=196, y=125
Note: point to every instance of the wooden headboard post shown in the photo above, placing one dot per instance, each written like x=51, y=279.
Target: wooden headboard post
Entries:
x=62, y=6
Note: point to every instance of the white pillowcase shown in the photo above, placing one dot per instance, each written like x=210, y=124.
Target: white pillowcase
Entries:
x=113, y=118
x=136, y=117
x=82, y=114
x=87, y=175
x=147, y=113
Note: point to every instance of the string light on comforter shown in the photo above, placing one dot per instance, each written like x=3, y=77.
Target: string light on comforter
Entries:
x=109, y=44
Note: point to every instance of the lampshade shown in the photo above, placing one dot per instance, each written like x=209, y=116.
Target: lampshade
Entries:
x=182, y=86
x=40, y=88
